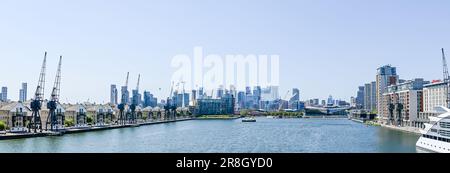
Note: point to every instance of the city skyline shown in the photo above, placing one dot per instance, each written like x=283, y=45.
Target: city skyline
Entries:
x=324, y=49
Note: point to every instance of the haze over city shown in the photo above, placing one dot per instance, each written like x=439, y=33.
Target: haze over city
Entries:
x=325, y=47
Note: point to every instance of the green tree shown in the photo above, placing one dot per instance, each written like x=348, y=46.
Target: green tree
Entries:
x=69, y=122
x=89, y=119
x=3, y=126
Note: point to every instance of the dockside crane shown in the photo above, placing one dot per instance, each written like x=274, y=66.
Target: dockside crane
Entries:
x=122, y=105
x=281, y=100
x=134, y=103
x=170, y=107
x=53, y=116
x=36, y=103
x=446, y=76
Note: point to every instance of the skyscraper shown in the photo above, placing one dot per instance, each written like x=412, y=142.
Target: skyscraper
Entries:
x=4, y=94
x=330, y=100
x=23, y=93
x=220, y=92
x=386, y=76
x=370, y=98
x=194, y=95
x=125, y=95
x=113, y=95
x=360, y=97
x=295, y=94
x=136, y=97
x=241, y=100
x=295, y=99
x=257, y=96
x=149, y=100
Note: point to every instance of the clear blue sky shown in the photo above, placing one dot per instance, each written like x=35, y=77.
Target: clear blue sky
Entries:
x=325, y=47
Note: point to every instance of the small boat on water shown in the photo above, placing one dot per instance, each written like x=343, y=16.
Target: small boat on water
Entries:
x=249, y=120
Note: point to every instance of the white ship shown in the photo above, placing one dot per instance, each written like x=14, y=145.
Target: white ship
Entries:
x=436, y=135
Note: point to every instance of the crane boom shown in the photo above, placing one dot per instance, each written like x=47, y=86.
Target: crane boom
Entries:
x=137, y=86
x=446, y=76
x=57, y=86
x=39, y=94
x=126, y=82
x=285, y=98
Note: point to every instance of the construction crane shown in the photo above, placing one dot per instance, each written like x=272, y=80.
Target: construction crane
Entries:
x=446, y=76
x=124, y=100
x=36, y=103
x=183, y=93
x=281, y=100
x=52, y=118
x=135, y=102
x=170, y=106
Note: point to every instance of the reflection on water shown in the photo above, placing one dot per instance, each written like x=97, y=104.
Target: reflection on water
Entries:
x=264, y=136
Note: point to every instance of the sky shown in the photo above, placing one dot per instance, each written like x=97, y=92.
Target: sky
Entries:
x=325, y=46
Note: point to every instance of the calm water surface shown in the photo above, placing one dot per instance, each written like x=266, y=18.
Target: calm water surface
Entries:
x=264, y=136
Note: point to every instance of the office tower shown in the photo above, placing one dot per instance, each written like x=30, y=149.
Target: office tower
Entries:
x=23, y=93
x=360, y=97
x=330, y=101
x=114, y=95
x=220, y=92
x=125, y=98
x=4, y=94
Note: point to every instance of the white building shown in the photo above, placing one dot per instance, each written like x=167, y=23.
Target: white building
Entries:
x=434, y=95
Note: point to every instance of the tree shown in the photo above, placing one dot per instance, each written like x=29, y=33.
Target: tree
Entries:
x=89, y=119
x=69, y=122
x=2, y=126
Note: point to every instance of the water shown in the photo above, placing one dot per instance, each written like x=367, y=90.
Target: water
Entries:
x=264, y=136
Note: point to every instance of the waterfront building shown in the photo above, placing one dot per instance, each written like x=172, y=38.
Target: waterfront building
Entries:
x=324, y=103
x=360, y=98
x=101, y=114
x=76, y=112
x=15, y=114
x=221, y=106
x=386, y=76
x=114, y=95
x=23, y=93
x=434, y=95
x=60, y=112
x=402, y=104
